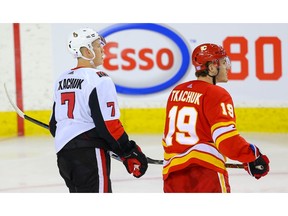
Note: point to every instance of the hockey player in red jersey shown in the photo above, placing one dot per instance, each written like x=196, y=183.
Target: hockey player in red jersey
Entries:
x=200, y=130
x=85, y=120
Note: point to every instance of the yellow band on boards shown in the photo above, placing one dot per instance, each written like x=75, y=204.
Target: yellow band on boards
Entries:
x=151, y=121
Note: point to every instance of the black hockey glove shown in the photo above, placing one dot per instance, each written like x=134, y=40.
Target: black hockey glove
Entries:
x=135, y=161
x=259, y=167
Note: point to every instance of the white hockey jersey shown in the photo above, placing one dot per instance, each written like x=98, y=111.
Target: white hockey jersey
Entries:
x=85, y=98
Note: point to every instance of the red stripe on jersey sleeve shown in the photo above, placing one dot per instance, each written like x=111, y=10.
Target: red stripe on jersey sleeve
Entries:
x=115, y=128
x=236, y=148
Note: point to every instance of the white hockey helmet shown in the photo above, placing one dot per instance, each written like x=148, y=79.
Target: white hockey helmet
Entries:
x=83, y=37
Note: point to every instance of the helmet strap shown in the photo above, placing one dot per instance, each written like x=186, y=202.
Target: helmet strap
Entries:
x=90, y=60
x=214, y=77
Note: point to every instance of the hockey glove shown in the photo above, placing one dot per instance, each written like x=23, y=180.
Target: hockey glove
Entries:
x=135, y=161
x=259, y=167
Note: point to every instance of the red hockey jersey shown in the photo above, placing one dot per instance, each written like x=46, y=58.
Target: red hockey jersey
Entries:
x=201, y=128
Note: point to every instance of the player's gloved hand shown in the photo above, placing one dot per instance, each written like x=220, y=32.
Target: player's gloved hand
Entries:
x=259, y=167
x=135, y=161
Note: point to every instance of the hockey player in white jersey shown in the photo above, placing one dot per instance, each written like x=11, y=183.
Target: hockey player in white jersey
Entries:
x=85, y=121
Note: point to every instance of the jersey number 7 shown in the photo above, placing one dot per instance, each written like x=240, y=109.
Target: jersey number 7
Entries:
x=69, y=97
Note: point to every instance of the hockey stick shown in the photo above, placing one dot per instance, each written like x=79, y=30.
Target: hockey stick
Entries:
x=160, y=162
x=46, y=126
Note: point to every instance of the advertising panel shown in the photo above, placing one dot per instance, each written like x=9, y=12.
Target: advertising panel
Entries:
x=147, y=60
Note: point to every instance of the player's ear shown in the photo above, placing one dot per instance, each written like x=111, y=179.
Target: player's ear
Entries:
x=211, y=67
x=82, y=50
x=85, y=52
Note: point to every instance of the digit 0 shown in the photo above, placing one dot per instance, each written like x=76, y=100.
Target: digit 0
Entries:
x=261, y=74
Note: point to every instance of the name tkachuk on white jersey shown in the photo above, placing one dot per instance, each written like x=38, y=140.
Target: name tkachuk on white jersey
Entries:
x=70, y=84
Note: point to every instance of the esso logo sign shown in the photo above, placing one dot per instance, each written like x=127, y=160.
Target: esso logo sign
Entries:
x=144, y=58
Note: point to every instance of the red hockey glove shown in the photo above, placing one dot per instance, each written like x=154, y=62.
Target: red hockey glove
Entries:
x=259, y=167
x=135, y=161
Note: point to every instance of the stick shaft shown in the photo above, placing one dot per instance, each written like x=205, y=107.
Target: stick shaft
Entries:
x=160, y=162
x=35, y=121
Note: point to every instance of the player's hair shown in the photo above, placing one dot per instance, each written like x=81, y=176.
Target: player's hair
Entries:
x=203, y=73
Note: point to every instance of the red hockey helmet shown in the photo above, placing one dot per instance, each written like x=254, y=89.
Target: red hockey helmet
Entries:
x=207, y=53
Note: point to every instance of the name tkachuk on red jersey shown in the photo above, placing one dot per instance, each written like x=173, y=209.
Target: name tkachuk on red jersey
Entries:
x=186, y=96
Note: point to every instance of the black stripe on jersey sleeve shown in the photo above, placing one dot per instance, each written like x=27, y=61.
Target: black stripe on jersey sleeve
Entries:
x=118, y=146
x=52, y=122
